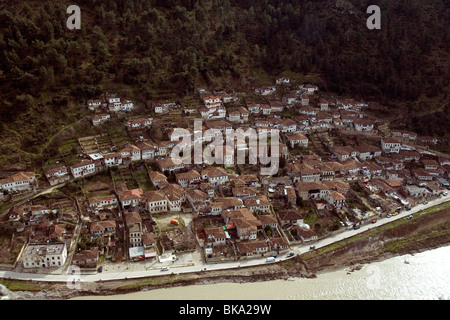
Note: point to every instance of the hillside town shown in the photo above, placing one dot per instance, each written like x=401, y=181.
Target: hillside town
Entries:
x=123, y=198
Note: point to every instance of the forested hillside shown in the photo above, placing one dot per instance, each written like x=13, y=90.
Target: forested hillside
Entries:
x=178, y=45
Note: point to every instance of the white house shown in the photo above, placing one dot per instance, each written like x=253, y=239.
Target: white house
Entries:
x=266, y=109
x=44, y=255
x=215, y=175
x=298, y=139
x=266, y=90
x=390, y=145
x=127, y=105
x=246, y=223
x=257, y=204
x=212, y=102
x=157, y=178
x=363, y=125
x=336, y=199
x=159, y=108
x=344, y=152
x=288, y=125
x=215, y=236
x=268, y=220
x=112, y=98
x=276, y=106
x=250, y=248
x=197, y=199
x=253, y=107
x=103, y=228
x=94, y=104
x=304, y=100
x=139, y=123
x=175, y=195
x=309, y=88
x=306, y=234
x=178, y=133
x=102, y=202
x=170, y=164
x=422, y=174
x=185, y=179
x=290, y=99
x=112, y=159
x=234, y=116
x=99, y=118
x=323, y=105
x=290, y=216
x=57, y=174
x=113, y=102
x=131, y=198
x=148, y=150
x=18, y=182
x=367, y=152
x=133, y=222
x=164, y=107
x=131, y=152
x=283, y=80
x=82, y=168
x=156, y=201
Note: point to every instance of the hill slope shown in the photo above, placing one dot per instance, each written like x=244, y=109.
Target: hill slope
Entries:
x=173, y=46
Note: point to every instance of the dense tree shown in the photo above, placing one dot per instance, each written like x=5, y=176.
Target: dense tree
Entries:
x=176, y=44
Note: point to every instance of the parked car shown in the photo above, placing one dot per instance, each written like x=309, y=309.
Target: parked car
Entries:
x=291, y=254
x=356, y=226
x=164, y=269
x=395, y=213
x=312, y=247
x=388, y=215
x=408, y=208
x=374, y=220
x=425, y=202
x=100, y=269
x=409, y=217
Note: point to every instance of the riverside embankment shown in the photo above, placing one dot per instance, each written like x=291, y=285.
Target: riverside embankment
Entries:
x=427, y=230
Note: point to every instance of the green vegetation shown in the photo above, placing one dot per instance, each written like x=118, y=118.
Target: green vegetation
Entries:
x=143, y=180
x=399, y=235
x=443, y=206
x=18, y=285
x=153, y=281
x=165, y=49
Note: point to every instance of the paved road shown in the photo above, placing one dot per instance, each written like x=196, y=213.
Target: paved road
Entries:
x=221, y=266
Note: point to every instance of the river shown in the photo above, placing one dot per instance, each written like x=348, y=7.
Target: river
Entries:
x=420, y=276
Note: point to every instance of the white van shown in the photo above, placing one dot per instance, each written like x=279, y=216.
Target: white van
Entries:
x=270, y=259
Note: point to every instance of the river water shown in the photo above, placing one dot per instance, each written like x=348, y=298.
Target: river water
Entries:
x=420, y=276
